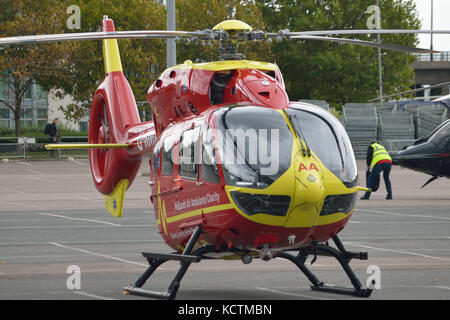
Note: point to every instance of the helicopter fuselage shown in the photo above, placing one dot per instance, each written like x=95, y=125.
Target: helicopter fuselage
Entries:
x=202, y=114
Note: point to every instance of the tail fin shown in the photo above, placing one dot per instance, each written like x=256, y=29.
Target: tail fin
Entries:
x=111, y=55
x=113, y=111
x=117, y=138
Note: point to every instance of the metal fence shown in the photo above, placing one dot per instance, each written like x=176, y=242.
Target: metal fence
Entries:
x=31, y=148
x=361, y=122
x=427, y=57
x=360, y=149
x=320, y=103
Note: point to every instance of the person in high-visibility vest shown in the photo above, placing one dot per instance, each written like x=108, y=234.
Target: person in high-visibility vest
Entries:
x=378, y=159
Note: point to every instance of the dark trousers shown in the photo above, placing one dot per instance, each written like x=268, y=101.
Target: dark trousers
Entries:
x=375, y=174
x=52, y=141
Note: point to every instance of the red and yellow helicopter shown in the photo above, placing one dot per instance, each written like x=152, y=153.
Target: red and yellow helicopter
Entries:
x=237, y=171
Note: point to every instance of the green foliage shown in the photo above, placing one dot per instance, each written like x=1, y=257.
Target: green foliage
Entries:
x=144, y=60
x=85, y=68
x=40, y=62
x=335, y=72
x=318, y=70
x=200, y=15
x=39, y=132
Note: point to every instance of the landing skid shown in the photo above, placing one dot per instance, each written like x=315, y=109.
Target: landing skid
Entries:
x=187, y=257
x=342, y=255
x=157, y=259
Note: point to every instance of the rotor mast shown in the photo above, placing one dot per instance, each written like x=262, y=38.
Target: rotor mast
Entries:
x=171, y=26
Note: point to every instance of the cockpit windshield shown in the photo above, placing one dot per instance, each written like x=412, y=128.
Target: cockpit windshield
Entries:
x=327, y=138
x=255, y=143
x=441, y=133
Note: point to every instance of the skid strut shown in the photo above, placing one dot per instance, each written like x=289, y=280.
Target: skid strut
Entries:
x=157, y=259
x=342, y=255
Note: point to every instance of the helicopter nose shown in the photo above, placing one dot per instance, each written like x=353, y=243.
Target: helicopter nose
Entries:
x=308, y=193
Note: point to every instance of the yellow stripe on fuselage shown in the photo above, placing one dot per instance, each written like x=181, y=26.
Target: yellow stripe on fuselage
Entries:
x=163, y=218
x=197, y=212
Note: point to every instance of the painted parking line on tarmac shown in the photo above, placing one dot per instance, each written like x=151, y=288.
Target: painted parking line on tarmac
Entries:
x=400, y=251
x=291, y=294
x=80, y=219
x=97, y=254
x=90, y=295
x=403, y=214
x=19, y=204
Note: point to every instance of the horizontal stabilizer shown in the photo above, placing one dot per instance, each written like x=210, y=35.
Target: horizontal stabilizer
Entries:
x=87, y=146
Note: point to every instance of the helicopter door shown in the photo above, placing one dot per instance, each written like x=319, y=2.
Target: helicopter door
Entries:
x=167, y=177
x=155, y=166
x=163, y=177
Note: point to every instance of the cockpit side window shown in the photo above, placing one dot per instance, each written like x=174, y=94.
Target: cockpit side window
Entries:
x=156, y=159
x=440, y=135
x=154, y=163
x=189, y=153
x=167, y=161
x=209, y=171
x=218, y=85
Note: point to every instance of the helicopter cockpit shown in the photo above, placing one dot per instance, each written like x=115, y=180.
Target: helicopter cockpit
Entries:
x=326, y=136
x=256, y=143
x=441, y=135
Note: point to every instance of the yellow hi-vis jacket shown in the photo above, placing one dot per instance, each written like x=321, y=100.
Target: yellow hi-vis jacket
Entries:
x=379, y=153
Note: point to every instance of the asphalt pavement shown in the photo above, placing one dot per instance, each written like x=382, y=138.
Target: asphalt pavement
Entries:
x=53, y=225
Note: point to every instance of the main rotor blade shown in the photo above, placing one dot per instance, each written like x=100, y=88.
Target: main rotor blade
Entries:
x=438, y=85
x=149, y=34
x=386, y=46
x=347, y=32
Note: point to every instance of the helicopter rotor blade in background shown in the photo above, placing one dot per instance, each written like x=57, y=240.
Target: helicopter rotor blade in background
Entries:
x=289, y=34
x=223, y=35
x=386, y=46
x=144, y=34
x=438, y=85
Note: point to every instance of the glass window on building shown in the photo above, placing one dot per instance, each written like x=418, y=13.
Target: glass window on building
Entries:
x=4, y=113
x=41, y=124
x=4, y=123
x=84, y=126
x=42, y=113
x=26, y=124
x=40, y=93
x=29, y=93
x=26, y=113
x=4, y=89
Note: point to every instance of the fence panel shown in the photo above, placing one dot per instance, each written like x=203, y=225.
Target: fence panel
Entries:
x=34, y=148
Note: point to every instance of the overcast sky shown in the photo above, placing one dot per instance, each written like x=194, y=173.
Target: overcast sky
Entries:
x=441, y=21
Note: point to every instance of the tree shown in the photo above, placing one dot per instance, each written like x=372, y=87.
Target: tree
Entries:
x=335, y=72
x=144, y=60
x=199, y=15
x=23, y=64
x=141, y=59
